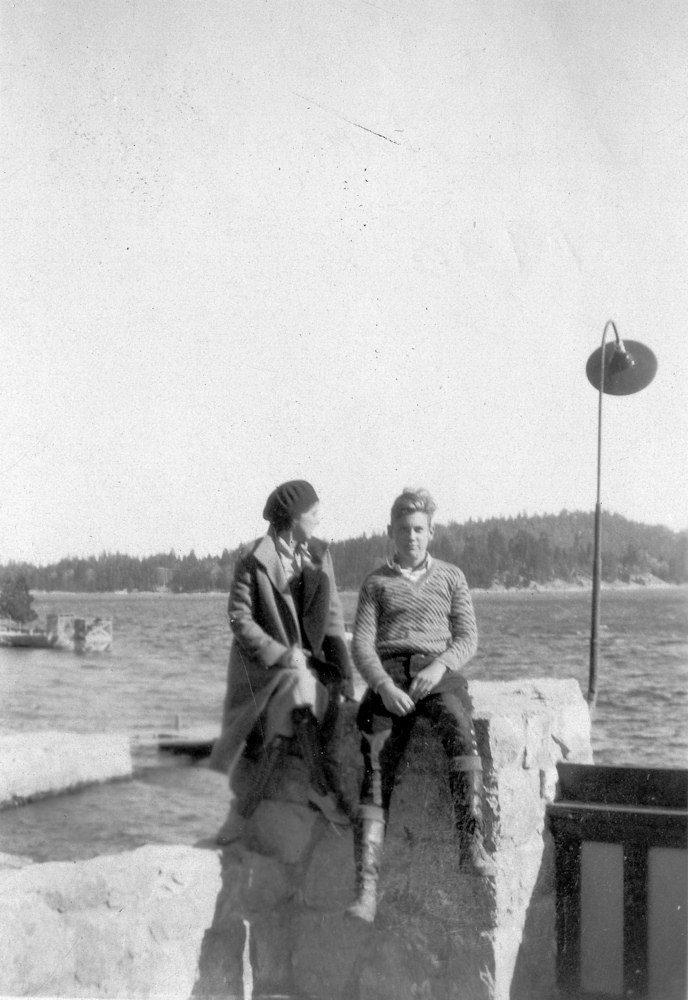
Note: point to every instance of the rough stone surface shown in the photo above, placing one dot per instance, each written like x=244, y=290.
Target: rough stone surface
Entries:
x=129, y=925
x=439, y=934
x=269, y=911
x=44, y=763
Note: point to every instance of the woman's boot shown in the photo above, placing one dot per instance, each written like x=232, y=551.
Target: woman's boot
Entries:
x=466, y=781
x=369, y=837
x=243, y=808
x=319, y=794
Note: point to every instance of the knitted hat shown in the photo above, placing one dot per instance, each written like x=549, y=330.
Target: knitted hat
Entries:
x=289, y=500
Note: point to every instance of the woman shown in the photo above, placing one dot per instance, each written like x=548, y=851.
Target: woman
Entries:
x=289, y=662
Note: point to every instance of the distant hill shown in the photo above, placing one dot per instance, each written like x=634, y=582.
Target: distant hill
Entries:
x=505, y=552
x=518, y=551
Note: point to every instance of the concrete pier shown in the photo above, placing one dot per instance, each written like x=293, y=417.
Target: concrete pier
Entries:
x=45, y=763
x=269, y=912
x=129, y=925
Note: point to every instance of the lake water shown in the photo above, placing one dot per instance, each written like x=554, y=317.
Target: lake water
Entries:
x=169, y=659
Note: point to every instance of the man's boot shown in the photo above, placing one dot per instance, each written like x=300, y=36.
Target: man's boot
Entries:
x=466, y=781
x=242, y=809
x=369, y=837
x=319, y=794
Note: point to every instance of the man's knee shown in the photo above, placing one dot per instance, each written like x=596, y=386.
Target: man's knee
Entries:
x=373, y=743
x=452, y=720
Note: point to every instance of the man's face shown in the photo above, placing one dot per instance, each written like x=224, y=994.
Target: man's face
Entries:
x=304, y=526
x=411, y=534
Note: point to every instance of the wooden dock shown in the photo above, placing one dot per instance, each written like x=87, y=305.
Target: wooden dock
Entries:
x=196, y=742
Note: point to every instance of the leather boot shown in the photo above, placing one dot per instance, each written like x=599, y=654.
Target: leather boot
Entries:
x=242, y=809
x=319, y=794
x=369, y=839
x=466, y=781
x=272, y=759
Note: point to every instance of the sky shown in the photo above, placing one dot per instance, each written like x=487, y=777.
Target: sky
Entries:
x=366, y=244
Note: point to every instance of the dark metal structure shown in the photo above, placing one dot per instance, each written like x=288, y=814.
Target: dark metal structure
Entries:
x=618, y=369
x=621, y=868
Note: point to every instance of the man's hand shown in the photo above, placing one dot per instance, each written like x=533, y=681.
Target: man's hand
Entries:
x=395, y=699
x=294, y=659
x=426, y=680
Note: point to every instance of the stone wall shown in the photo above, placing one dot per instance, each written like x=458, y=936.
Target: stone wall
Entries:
x=44, y=763
x=129, y=925
x=266, y=916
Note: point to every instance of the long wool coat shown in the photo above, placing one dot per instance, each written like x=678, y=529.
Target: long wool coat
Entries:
x=265, y=623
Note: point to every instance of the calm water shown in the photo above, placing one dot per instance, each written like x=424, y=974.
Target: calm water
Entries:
x=169, y=659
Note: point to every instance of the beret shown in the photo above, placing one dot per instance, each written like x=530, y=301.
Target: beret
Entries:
x=289, y=500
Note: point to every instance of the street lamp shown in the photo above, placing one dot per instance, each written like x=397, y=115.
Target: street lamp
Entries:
x=619, y=369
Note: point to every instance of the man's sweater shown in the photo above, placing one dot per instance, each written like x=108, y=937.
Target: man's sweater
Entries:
x=397, y=615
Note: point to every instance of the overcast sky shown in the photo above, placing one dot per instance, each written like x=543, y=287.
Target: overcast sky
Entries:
x=367, y=244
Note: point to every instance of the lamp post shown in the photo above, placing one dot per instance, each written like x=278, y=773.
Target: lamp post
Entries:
x=619, y=369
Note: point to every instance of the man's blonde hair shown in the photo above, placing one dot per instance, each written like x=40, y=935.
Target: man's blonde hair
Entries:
x=418, y=501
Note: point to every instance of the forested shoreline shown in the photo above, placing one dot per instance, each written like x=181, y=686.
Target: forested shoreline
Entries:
x=510, y=552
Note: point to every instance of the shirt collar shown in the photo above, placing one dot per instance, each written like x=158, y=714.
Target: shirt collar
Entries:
x=413, y=573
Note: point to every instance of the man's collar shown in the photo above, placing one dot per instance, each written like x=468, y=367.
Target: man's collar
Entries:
x=411, y=571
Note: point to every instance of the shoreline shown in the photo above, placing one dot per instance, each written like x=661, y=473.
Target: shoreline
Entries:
x=581, y=585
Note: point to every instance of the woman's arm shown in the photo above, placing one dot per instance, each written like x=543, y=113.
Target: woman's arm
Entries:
x=369, y=665
x=252, y=638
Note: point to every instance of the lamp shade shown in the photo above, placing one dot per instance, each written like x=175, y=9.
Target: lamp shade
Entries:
x=625, y=378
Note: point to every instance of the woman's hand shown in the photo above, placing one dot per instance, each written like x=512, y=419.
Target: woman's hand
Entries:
x=427, y=679
x=395, y=699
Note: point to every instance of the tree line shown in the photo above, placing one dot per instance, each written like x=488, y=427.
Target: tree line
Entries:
x=506, y=552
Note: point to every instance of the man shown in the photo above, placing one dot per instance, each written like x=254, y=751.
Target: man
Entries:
x=414, y=631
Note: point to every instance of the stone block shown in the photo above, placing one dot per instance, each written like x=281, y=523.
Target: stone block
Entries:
x=328, y=951
x=329, y=877
x=517, y=806
x=502, y=741
x=537, y=739
x=251, y=883
x=267, y=915
x=45, y=763
x=284, y=829
x=129, y=925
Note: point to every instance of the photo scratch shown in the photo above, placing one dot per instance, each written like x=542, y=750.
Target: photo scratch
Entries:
x=343, y=118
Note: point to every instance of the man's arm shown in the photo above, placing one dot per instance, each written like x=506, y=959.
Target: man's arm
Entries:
x=463, y=627
x=464, y=630
x=365, y=656
x=368, y=662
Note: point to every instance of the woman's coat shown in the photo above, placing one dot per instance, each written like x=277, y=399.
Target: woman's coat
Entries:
x=264, y=623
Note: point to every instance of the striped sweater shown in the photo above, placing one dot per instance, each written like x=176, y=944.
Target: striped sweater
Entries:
x=396, y=615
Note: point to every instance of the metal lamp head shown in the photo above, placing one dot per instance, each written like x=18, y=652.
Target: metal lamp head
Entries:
x=628, y=368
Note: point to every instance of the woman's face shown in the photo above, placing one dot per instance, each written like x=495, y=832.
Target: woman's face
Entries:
x=303, y=527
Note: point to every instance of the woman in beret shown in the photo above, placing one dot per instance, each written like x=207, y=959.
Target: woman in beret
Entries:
x=289, y=662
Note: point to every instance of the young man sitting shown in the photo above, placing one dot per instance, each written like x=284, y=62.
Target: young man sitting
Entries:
x=414, y=631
